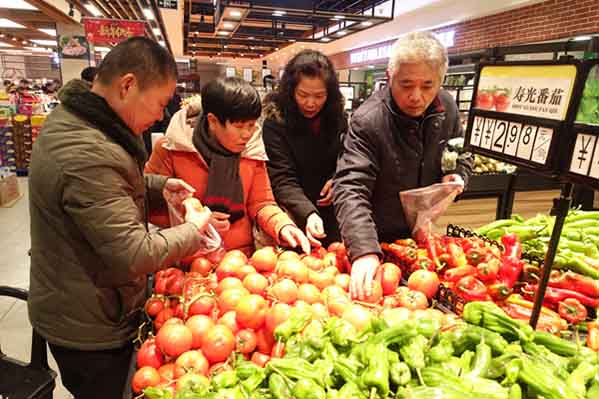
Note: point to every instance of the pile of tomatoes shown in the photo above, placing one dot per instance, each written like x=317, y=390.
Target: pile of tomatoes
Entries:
x=206, y=316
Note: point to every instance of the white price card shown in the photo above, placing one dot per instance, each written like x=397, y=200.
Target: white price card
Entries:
x=501, y=129
x=511, y=141
x=583, y=153
x=526, y=143
x=595, y=165
x=489, y=130
x=477, y=130
x=540, y=151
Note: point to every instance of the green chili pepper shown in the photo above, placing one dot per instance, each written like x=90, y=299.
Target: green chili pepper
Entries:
x=376, y=376
x=308, y=389
x=442, y=351
x=400, y=373
x=413, y=352
x=245, y=369
x=224, y=379
x=466, y=362
x=343, y=333
x=254, y=381
x=482, y=360
x=295, y=323
x=333, y=394
x=351, y=391
x=515, y=392
x=512, y=370
x=278, y=387
x=580, y=377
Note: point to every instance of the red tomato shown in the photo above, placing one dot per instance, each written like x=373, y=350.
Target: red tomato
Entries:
x=390, y=302
x=424, y=281
x=229, y=267
x=276, y=315
x=390, y=278
x=308, y=293
x=198, y=325
x=264, y=341
x=413, y=300
x=264, y=259
x=343, y=280
x=230, y=298
x=255, y=283
x=358, y=316
x=251, y=311
x=293, y=269
x=278, y=350
x=174, y=339
x=260, y=359
x=228, y=283
x=202, y=266
x=287, y=255
x=321, y=279
x=218, y=343
x=244, y=271
x=229, y=320
x=163, y=316
x=330, y=260
x=236, y=253
x=337, y=305
x=219, y=368
x=285, y=291
x=319, y=311
x=191, y=361
x=205, y=304
x=319, y=252
x=173, y=320
x=313, y=263
x=145, y=377
x=154, y=305
x=167, y=372
x=149, y=355
x=245, y=341
x=376, y=293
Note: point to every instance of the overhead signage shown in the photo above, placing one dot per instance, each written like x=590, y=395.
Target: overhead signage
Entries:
x=230, y=72
x=371, y=54
x=170, y=4
x=531, y=90
x=100, y=31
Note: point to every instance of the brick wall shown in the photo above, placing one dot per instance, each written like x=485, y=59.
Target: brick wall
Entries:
x=549, y=20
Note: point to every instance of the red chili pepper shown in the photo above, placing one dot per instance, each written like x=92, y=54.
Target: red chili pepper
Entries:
x=431, y=249
x=520, y=309
x=556, y=295
x=487, y=271
x=406, y=242
x=511, y=265
x=575, y=282
x=572, y=310
x=471, y=289
x=423, y=264
x=593, y=335
x=458, y=273
x=457, y=255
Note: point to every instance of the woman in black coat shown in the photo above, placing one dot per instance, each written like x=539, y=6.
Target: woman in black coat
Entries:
x=304, y=122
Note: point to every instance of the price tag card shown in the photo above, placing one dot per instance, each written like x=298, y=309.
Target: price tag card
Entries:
x=583, y=154
x=486, y=140
x=526, y=143
x=513, y=137
x=540, y=150
x=499, y=136
x=477, y=130
x=595, y=164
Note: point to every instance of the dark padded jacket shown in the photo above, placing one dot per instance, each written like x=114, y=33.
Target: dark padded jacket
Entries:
x=385, y=152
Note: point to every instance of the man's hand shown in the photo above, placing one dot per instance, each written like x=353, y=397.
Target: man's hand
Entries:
x=362, y=273
x=454, y=178
x=315, y=229
x=294, y=237
x=177, y=190
x=326, y=193
x=220, y=221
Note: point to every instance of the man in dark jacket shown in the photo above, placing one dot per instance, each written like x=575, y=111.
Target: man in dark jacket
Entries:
x=395, y=142
x=90, y=250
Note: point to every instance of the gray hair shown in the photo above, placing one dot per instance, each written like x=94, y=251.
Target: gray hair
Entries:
x=419, y=47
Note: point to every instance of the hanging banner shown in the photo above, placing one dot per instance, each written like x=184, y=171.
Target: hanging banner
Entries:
x=100, y=31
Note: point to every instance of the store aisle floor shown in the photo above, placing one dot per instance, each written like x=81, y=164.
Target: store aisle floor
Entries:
x=15, y=330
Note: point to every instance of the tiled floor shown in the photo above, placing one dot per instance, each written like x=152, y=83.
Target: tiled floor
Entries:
x=15, y=330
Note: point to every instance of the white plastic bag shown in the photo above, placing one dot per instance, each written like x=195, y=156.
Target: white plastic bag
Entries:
x=423, y=206
x=212, y=243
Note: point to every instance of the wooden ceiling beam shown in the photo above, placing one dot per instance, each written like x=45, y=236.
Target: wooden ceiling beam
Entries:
x=54, y=13
x=103, y=9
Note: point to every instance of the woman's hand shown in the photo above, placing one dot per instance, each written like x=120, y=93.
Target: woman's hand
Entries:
x=293, y=236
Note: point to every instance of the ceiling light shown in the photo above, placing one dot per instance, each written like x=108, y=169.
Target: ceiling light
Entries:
x=38, y=49
x=242, y=54
x=223, y=32
x=339, y=17
x=2, y=44
x=582, y=38
x=156, y=31
x=7, y=23
x=251, y=38
x=325, y=39
x=149, y=14
x=279, y=13
x=49, y=32
x=16, y=5
x=366, y=23
x=235, y=13
x=228, y=25
x=14, y=39
x=370, y=66
x=162, y=43
x=342, y=33
x=44, y=42
x=24, y=42
x=93, y=9
x=292, y=40
x=355, y=69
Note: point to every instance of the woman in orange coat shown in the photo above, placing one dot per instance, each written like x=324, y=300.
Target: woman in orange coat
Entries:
x=223, y=159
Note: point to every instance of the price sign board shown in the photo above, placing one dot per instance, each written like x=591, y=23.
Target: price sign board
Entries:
x=520, y=111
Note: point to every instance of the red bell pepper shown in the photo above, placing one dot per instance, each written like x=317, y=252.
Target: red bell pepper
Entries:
x=458, y=273
x=556, y=295
x=572, y=310
x=575, y=282
x=471, y=289
x=406, y=242
x=487, y=271
x=423, y=264
x=593, y=335
x=169, y=281
x=475, y=256
x=499, y=291
x=519, y=308
x=511, y=265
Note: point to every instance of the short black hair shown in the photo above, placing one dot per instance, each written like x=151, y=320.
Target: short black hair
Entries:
x=151, y=63
x=231, y=99
x=88, y=74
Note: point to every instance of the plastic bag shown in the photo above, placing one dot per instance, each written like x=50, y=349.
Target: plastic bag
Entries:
x=211, y=241
x=423, y=206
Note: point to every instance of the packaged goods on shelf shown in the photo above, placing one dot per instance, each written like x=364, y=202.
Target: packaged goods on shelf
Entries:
x=23, y=141
x=36, y=126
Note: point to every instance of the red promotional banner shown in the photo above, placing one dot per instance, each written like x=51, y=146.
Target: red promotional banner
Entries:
x=101, y=31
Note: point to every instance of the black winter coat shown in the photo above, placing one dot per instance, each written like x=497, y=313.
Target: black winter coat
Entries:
x=299, y=164
x=385, y=152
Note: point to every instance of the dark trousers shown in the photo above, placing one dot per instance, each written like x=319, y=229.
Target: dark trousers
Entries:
x=93, y=374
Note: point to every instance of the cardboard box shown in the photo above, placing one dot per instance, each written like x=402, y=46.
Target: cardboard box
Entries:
x=9, y=190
